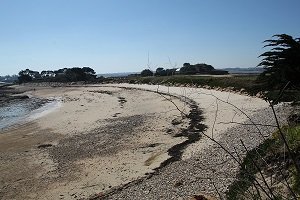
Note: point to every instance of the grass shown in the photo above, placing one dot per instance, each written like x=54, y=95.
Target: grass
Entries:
x=272, y=151
x=247, y=82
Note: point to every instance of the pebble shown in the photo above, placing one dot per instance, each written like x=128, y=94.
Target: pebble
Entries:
x=208, y=166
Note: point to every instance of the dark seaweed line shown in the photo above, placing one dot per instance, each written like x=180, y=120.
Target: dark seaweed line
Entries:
x=192, y=133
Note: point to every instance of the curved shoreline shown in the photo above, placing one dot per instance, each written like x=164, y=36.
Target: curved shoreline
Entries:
x=83, y=125
x=62, y=141
x=47, y=108
x=38, y=106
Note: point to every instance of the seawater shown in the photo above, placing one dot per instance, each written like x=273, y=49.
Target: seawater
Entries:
x=24, y=110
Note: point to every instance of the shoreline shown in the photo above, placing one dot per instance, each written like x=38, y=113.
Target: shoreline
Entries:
x=47, y=108
x=20, y=111
x=41, y=123
x=186, y=143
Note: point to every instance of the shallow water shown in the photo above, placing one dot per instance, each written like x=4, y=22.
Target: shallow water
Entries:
x=20, y=110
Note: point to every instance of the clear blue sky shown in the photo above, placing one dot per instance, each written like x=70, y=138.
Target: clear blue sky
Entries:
x=116, y=35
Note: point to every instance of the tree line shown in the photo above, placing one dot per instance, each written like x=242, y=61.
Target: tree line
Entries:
x=61, y=75
x=281, y=65
x=186, y=69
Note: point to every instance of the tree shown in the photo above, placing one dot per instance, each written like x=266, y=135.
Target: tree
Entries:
x=75, y=74
x=24, y=78
x=28, y=75
x=160, y=72
x=146, y=72
x=282, y=62
x=88, y=70
x=198, y=69
x=170, y=72
x=188, y=69
x=47, y=74
x=89, y=73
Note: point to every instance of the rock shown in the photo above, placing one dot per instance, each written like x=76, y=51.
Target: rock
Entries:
x=23, y=97
x=44, y=146
x=178, y=183
x=176, y=121
x=203, y=197
x=169, y=130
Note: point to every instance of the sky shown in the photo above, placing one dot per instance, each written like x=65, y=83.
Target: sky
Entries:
x=131, y=35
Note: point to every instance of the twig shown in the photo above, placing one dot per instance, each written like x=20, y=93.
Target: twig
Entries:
x=216, y=115
x=281, y=92
x=284, y=140
x=240, y=164
x=259, y=170
x=257, y=124
x=184, y=114
x=248, y=117
x=217, y=190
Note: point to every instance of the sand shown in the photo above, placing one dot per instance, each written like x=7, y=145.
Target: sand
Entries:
x=90, y=140
x=222, y=110
x=103, y=136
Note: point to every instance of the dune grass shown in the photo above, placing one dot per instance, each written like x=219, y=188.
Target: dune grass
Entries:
x=271, y=154
x=247, y=82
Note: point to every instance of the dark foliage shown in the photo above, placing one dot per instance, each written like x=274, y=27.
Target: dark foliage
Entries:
x=62, y=75
x=164, y=72
x=28, y=75
x=160, y=72
x=47, y=73
x=146, y=72
x=8, y=78
x=75, y=74
x=282, y=62
x=200, y=69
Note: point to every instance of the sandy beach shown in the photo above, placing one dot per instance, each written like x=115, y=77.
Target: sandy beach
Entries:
x=222, y=110
x=93, y=139
x=98, y=138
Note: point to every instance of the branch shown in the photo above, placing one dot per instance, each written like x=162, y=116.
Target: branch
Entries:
x=216, y=115
x=259, y=170
x=259, y=131
x=257, y=124
x=284, y=140
x=240, y=164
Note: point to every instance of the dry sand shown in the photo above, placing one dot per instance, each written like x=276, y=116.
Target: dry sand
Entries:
x=99, y=137
x=222, y=110
x=93, y=139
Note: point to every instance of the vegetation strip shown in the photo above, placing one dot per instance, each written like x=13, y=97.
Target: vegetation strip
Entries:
x=264, y=152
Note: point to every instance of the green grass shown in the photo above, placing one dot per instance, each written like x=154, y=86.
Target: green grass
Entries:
x=292, y=135
x=248, y=82
x=272, y=151
x=246, y=176
x=293, y=139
